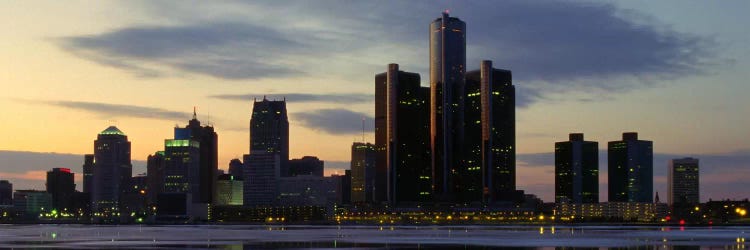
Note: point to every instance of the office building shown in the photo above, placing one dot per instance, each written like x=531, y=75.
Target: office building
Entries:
x=6, y=193
x=269, y=129
x=683, y=182
x=307, y=165
x=488, y=172
x=155, y=175
x=403, y=173
x=363, y=172
x=208, y=164
x=229, y=191
x=235, y=168
x=182, y=167
x=308, y=190
x=576, y=170
x=88, y=173
x=32, y=203
x=112, y=170
x=261, y=178
x=61, y=186
x=345, y=188
x=447, y=69
x=631, y=169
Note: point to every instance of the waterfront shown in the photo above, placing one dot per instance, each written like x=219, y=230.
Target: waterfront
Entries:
x=388, y=237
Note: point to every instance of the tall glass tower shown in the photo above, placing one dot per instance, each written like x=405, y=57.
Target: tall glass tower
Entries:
x=631, y=169
x=112, y=170
x=447, y=69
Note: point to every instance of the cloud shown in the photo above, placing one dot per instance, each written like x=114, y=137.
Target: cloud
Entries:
x=333, y=121
x=223, y=50
x=345, y=98
x=121, y=110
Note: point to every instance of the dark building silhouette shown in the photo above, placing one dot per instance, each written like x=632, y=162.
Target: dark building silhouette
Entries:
x=61, y=186
x=488, y=172
x=403, y=173
x=346, y=187
x=261, y=178
x=235, y=168
x=683, y=182
x=112, y=170
x=577, y=170
x=208, y=161
x=447, y=69
x=363, y=172
x=88, y=173
x=6, y=193
x=269, y=129
x=182, y=167
x=307, y=165
x=631, y=169
x=155, y=175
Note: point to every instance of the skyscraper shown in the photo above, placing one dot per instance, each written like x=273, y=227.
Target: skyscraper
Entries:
x=61, y=187
x=269, y=129
x=488, y=170
x=363, y=172
x=182, y=167
x=577, y=170
x=155, y=175
x=447, y=68
x=261, y=178
x=6, y=193
x=208, y=161
x=403, y=169
x=112, y=170
x=683, y=182
x=88, y=173
x=307, y=165
x=631, y=169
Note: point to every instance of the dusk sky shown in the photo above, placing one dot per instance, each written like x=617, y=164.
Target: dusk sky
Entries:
x=676, y=72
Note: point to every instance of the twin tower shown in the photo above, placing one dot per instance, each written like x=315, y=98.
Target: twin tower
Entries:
x=451, y=143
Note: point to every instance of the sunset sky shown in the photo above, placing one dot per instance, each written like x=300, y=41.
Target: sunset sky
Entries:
x=676, y=72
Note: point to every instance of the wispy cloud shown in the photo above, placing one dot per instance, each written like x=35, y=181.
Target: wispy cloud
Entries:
x=121, y=110
x=333, y=121
x=345, y=98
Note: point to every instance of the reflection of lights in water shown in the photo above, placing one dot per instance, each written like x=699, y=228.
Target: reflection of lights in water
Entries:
x=553, y=230
x=541, y=230
x=54, y=235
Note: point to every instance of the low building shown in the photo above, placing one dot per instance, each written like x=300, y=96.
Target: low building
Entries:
x=32, y=203
x=229, y=190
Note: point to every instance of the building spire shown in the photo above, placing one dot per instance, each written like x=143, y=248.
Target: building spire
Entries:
x=195, y=116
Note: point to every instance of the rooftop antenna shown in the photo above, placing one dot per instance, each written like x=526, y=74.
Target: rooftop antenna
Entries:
x=195, y=116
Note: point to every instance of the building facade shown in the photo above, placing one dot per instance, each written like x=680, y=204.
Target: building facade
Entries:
x=182, y=167
x=112, y=170
x=307, y=165
x=229, y=191
x=208, y=164
x=403, y=172
x=363, y=172
x=269, y=129
x=447, y=69
x=6, y=193
x=155, y=175
x=631, y=169
x=683, y=182
x=235, y=169
x=261, y=178
x=88, y=173
x=489, y=164
x=61, y=186
x=576, y=170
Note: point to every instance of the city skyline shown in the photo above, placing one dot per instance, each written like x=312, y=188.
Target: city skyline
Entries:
x=352, y=102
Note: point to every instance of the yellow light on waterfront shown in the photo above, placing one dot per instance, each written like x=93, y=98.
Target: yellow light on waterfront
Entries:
x=541, y=217
x=697, y=208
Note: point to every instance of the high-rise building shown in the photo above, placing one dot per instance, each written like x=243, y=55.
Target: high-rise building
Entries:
x=447, y=69
x=62, y=187
x=88, y=173
x=269, y=129
x=307, y=165
x=182, y=167
x=576, y=170
x=683, y=185
x=208, y=161
x=235, y=169
x=363, y=172
x=155, y=175
x=403, y=173
x=631, y=169
x=112, y=170
x=228, y=191
x=6, y=193
x=261, y=178
x=488, y=172
x=346, y=187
